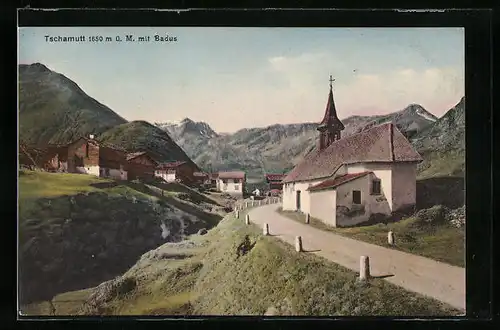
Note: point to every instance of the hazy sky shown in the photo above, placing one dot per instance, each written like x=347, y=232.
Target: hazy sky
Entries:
x=246, y=77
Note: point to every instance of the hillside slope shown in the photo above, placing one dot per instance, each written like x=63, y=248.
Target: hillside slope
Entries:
x=52, y=108
x=234, y=270
x=76, y=231
x=442, y=144
x=142, y=136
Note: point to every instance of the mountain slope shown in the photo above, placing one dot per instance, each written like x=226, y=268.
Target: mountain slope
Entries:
x=442, y=145
x=142, y=136
x=277, y=147
x=52, y=108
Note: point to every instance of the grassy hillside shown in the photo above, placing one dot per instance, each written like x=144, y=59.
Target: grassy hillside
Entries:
x=142, y=136
x=107, y=224
x=206, y=275
x=52, y=108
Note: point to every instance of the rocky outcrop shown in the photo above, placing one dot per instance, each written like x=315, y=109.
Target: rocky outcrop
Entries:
x=71, y=243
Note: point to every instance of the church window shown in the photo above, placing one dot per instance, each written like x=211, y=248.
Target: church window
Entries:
x=356, y=197
x=376, y=187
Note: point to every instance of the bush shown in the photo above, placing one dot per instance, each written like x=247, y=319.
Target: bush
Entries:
x=434, y=215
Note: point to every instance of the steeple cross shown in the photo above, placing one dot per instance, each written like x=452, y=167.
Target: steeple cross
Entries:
x=331, y=81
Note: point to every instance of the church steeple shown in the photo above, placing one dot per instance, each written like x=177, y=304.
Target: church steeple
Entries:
x=330, y=126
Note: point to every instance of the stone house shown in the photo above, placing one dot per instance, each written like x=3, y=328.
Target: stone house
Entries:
x=232, y=183
x=346, y=181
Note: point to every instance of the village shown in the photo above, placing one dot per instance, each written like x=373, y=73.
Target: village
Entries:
x=342, y=182
x=359, y=180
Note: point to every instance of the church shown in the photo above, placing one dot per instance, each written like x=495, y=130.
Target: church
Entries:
x=346, y=181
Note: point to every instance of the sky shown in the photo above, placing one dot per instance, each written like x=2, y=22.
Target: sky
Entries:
x=233, y=78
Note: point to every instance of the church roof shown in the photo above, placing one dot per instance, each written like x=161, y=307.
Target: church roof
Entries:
x=330, y=118
x=383, y=143
x=332, y=183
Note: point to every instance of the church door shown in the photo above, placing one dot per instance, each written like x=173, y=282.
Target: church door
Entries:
x=298, y=200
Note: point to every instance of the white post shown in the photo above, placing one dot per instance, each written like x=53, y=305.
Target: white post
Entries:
x=308, y=217
x=237, y=214
x=246, y=205
x=247, y=219
x=364, y=268
x=266, y=229
x=298, y=244
x=390, y=238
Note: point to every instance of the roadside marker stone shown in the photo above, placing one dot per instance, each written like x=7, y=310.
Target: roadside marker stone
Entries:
x=266, y=229
x=390, y=238
x=298, y=244
x=364, y=268
x=308, y=217
x=247, y=219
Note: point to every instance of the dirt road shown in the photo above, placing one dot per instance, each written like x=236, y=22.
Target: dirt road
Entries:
x=414, y=273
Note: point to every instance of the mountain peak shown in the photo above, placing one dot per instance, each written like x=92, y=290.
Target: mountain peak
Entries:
x=417, y=109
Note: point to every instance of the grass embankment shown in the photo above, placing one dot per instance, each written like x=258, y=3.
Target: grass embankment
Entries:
x=207, y=276
x=34, y=185
x=438, y=241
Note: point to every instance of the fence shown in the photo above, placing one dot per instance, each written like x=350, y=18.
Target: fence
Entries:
x=241, y=205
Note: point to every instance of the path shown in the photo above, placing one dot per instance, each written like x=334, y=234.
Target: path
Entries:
x=418, y=274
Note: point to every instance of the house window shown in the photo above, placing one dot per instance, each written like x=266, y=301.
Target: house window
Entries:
x=356, y=197
x=236, y=187
x=376, y=187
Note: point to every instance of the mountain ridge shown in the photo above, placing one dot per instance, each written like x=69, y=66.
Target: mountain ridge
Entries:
x=54, y=109
x=277, y=147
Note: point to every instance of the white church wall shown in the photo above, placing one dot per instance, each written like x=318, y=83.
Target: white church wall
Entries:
x=382, y=171
x=323, y=206
x=404, y=185
x=370, y=203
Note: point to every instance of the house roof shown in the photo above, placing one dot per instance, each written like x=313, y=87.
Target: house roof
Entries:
x=111, y=158
x=133, y=155
x=275, y=177
x=382, y=143
x=201, y=174
x=333, y=183
x=171, y=164
x=232, y=175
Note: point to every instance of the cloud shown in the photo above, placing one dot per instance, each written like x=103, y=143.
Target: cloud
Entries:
x=437, y=89
x=381, y=90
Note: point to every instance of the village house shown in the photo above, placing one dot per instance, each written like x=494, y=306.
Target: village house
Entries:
x=201, y=178
x=112, y=163
x=84, y=155
x=346, y=181
x=275, y=181
x=141, y=165
x=232, y=183
x=178, y=171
